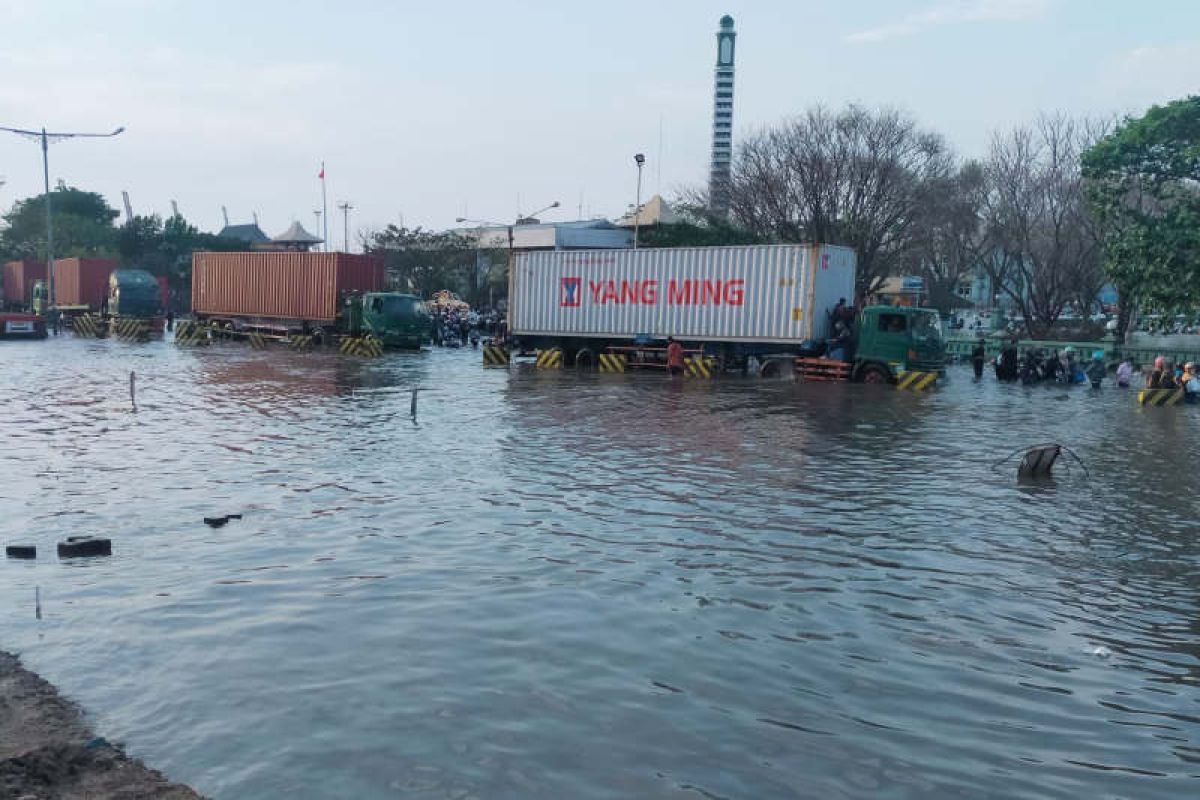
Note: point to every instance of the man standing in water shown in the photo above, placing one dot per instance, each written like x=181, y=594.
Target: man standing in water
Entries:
x=674, y=356
x=978, y=355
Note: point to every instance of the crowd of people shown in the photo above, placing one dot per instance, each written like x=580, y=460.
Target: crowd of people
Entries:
x=1037, y=365
x=461, y=326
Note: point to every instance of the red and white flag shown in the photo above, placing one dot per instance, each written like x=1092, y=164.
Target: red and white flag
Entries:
x=321, y=175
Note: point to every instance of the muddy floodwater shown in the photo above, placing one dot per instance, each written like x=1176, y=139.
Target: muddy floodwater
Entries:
x=555, y=585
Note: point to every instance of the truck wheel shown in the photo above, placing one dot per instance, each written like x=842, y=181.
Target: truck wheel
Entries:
x=770, y=369
x=874, y=373
x=585, y=359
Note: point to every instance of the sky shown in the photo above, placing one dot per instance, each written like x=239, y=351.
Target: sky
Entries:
x=426, y=112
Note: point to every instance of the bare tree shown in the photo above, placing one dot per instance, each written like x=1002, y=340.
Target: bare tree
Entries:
x=856, y=177
x=952, y=240
x=1047, y=252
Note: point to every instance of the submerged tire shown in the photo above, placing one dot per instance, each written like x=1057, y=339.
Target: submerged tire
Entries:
x=585, y=359
x=874, y=373
x=80, y=546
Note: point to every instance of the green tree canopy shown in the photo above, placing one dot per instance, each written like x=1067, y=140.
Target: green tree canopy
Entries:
x=423, y=261
x=1144, y=187
x=165, y=248
x=83, y=225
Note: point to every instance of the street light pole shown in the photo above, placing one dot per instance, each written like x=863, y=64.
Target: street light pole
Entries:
x=45, y=139
x=640, y=160
x=345, y=207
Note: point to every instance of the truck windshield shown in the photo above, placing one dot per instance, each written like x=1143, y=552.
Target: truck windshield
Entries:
x=926, y=325
x=403, y=307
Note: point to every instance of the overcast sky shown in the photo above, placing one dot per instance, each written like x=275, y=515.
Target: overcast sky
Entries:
x=429, y=111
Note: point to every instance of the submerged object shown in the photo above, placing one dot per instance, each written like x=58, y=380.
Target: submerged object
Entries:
x=1038, y=461
x=217, y=522
x=80, y=546
x=20, y=551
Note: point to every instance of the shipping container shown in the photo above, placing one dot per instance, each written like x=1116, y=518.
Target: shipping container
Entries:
x=19, y=278
x=82, y=281
x=760, y=295
x=290, y=287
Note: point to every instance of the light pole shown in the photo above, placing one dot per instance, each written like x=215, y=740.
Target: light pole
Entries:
x=640, y=160
x=45, y=138
x=345, y=208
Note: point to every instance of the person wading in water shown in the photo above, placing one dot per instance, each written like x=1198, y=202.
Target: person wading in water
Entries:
x=978, y=355
x=674, y=356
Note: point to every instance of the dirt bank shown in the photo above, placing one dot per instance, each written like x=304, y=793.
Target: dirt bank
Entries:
x=47, y=750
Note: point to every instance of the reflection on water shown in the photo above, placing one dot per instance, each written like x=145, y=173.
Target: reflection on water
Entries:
x=562, y=585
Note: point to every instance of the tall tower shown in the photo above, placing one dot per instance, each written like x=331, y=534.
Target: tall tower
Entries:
x=722, y=138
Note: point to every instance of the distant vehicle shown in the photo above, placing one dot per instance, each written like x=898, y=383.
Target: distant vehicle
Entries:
x=99, y=287
x=766, y=303
x=19, y=325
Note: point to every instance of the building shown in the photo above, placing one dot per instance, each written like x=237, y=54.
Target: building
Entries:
x=250, y=234
x=722, y=133
x=588, y=234
x=654, y=211
x=294, y=238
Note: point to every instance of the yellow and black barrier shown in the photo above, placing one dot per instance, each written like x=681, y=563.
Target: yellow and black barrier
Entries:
x=550, y=359
x=191, y=334
x=257, y=341
x=300, y=341
x=363, y=346
x=699, y=366
x=130, y=330
x=495, y=356
x=916, y=381
x=1159, y=397
x=87, y=325
x=614, y=362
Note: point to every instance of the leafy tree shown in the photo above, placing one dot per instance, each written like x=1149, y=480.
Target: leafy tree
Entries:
x=697, y=227
x=83, y=225
x=1144, y=187
x=165, y=248
x=856, y=177
x=424, y=261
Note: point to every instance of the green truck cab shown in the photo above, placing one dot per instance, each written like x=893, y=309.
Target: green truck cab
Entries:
x=133, y=293
x=397, y=320
x=894, y=339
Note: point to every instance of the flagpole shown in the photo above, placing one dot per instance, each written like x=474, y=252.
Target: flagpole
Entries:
x=324, y=212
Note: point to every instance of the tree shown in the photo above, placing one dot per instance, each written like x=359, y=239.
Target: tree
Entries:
x=165, y=248
x=424, y=261
x=951, y=238
x=1144, y=188
x=1046, y=244
x=697, y=227
x=857, y=177
x=83, y=226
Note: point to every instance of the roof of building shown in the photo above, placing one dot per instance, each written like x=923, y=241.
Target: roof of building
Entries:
x=654, y=211
x=583, y=234
x=297, y=235
x=247, y=233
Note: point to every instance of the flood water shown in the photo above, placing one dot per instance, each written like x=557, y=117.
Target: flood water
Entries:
x=556, y=585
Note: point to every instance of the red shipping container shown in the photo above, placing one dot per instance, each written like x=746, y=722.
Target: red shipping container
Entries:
x=284, y=286
x=82, y=281
x=19, y=277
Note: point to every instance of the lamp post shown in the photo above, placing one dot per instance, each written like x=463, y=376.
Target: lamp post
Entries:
x=345, y=208
x=640, y=160
x=45, y=138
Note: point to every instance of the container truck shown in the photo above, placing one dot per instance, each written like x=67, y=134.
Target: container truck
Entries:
x=772, y=303
x=19, y=280
x=326, y=295
x=116, y=299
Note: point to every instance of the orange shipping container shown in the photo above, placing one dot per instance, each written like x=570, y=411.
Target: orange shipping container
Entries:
x=82, y=281
x=284, y=286
x=19, y=277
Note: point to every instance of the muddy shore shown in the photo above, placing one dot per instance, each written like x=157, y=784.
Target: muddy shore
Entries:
x=49, y=752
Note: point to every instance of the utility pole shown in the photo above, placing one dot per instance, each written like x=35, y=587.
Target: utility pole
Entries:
x=640, y=160
x=345, y=208
x=45, y=139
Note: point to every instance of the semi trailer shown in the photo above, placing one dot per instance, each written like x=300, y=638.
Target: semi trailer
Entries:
x=758, y=304
x=328, y=296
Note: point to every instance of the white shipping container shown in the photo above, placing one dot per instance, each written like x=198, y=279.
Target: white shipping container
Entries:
x=757, y=293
